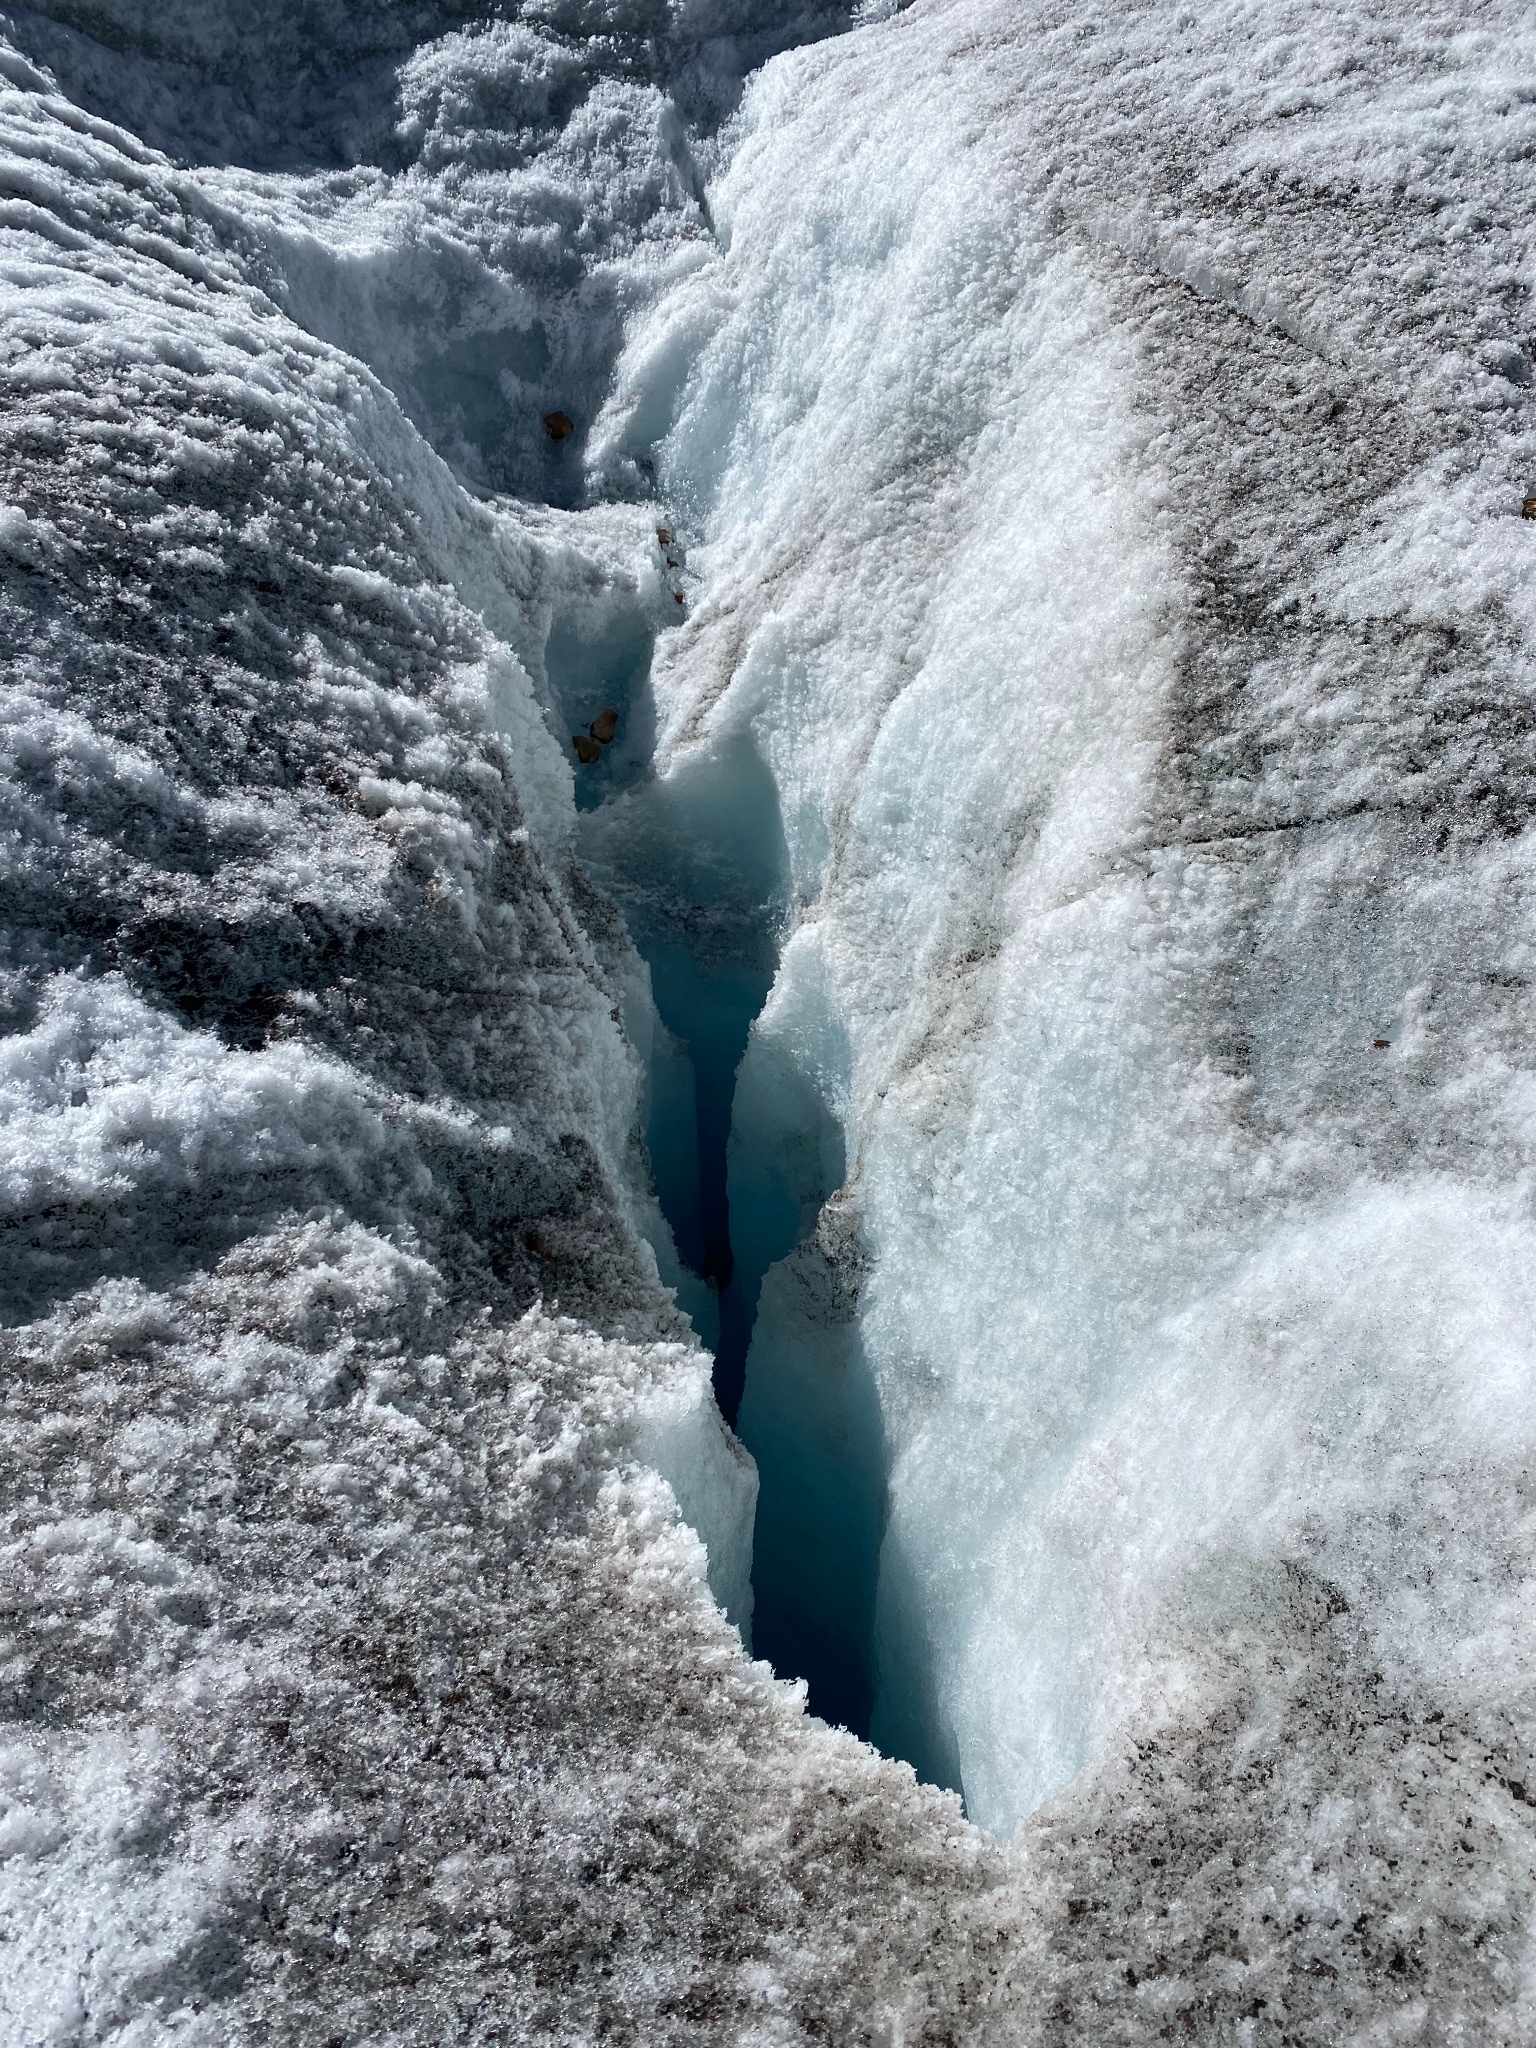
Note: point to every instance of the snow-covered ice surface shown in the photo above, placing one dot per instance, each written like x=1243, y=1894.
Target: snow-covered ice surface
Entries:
x=1092, y=684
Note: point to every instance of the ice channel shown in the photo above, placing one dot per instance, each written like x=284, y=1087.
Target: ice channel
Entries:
x=746, y=1149
x=696, y=859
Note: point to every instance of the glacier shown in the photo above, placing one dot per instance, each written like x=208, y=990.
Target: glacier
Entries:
x=856, y=1363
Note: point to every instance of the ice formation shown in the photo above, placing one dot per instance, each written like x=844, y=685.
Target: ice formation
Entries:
x=1030, y=961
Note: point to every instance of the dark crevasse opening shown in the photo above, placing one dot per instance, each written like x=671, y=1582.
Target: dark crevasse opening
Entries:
x=835, y=1603
x=747, y=1157
x=696, y=862
x=810, y=1414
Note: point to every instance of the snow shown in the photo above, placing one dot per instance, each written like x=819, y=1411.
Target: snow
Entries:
x=1043, y=511
x=369, y=1677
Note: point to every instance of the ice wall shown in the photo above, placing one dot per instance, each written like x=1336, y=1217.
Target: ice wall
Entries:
x=360, y=1677
x=1105, y=442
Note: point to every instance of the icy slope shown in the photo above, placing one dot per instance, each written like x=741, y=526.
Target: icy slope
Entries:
x=360, y=1679
x=1104, y=439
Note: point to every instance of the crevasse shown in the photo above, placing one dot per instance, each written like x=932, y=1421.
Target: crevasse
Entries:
x=1139, y=1207
x=1051, y=553
x=1069, y=793
x=476, y=328
x=903, y=607
x=746, y=1147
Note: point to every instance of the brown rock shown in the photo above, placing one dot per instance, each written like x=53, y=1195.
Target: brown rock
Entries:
x=665, y=535
x=558, y=424
x=604, y=726
x=587, y=750
x=1528, y=509
x=677, y=597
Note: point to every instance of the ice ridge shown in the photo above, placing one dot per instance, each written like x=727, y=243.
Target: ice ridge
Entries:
x=1103, y=439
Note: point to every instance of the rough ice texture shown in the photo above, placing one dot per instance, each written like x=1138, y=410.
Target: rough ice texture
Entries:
x=361, y=1682
x=1099, y=436
x=367, y=1692
x=1103, y=437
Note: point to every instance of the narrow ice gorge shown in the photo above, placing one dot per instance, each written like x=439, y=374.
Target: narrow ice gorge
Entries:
x=1161, y=902
x=1035, y=976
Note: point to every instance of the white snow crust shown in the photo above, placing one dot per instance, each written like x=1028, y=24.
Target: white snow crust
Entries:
x=1087, y=687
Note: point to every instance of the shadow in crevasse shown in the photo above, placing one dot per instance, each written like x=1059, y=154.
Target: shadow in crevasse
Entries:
x=836, y=1603
x=749, y=1165
x=697, y=863
x=811, y=1418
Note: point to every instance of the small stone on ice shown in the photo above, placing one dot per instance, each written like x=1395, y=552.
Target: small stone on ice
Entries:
x=558, y=425
x=665, y=535
x=604, y=726
x=587, y=750
x=1528, y=509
